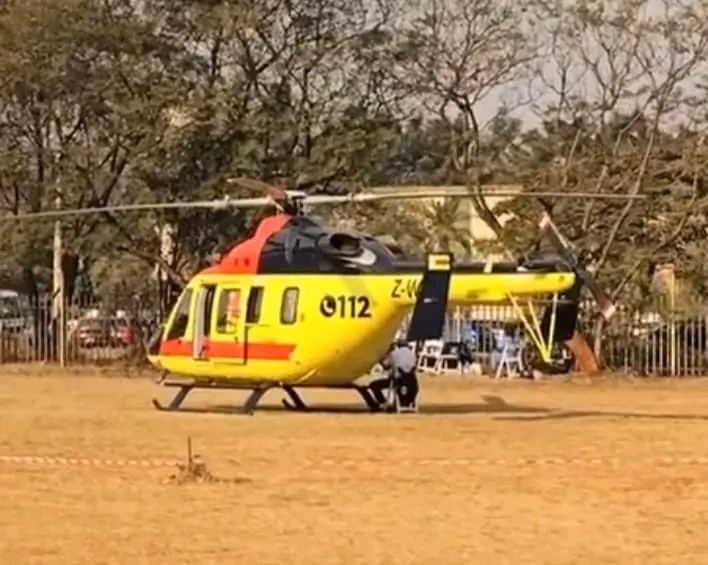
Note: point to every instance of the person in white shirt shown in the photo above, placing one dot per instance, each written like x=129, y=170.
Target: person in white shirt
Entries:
x=402, y=358
x=401, y=363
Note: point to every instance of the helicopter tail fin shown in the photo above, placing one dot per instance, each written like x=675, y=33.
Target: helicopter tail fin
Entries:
x=605, y=305
x=431, y=303
x=566, y=315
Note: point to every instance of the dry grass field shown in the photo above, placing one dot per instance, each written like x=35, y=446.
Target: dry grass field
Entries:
x=514, y=472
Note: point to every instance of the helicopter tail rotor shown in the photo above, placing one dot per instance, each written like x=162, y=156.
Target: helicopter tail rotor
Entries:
x=605, y=305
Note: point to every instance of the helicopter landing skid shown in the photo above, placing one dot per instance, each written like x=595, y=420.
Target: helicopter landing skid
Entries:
x=185, y=388
x=294, y=403
x=298, y=405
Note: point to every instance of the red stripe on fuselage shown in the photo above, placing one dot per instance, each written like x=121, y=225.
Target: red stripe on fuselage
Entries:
x=223, y=350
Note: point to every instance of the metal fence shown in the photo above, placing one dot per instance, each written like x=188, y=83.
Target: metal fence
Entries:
x=642, y=343
x=97, y=333
x=94, y=332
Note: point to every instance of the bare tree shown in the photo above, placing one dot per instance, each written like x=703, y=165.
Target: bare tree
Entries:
x=293, y=93
x=455, y=56
x=612, y=91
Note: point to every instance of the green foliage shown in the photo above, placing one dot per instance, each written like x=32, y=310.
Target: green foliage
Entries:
x=629, y=129
x=122, y=101
x=119, y=278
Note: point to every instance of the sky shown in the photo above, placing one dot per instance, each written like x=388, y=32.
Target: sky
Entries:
x=653, y=9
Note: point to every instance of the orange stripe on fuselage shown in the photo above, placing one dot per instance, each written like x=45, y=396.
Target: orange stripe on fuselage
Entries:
x=223, y=350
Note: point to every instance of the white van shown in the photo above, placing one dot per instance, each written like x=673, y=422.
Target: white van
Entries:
x=12, y=317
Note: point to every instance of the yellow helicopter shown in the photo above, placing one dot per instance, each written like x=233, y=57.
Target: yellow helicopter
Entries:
x=298, y=305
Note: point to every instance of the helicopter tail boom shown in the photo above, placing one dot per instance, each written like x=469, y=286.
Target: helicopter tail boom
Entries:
x=433, y=292
x=470, y=286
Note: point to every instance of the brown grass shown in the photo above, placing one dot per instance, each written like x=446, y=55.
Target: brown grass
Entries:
x=607, y=473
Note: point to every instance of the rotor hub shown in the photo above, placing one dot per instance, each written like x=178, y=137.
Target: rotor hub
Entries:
x=298, y=203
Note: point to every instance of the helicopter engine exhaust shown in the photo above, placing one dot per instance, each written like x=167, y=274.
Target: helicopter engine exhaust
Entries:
x=340, y=244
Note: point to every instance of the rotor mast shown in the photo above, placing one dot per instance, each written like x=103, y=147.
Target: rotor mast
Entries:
x=292, y=202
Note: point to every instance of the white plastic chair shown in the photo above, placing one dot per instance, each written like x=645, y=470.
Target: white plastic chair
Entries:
x=510, y=360
x=430, y=355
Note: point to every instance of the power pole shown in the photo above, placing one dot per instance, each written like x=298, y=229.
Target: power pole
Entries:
x=58, y=298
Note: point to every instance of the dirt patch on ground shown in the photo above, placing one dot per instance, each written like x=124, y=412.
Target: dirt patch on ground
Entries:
x=556, y=473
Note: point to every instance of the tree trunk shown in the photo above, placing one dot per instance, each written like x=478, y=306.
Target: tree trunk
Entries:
x=169, y=292
x=38, y=330
x=585, y=360
x=597, y=336
x=136, y=352
x=70, y=268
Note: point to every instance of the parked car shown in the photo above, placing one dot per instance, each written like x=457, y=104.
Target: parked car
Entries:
x=13, y=318
x=105, y=332
x=123, y=331
x=93, y=332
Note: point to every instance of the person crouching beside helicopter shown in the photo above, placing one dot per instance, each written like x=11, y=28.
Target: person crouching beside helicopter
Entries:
x=400, y=363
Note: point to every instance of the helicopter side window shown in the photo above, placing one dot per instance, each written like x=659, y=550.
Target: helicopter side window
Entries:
x=208, y=308
x=288, y=308
x=181, y=317
x=228, y=309
x=253, y=309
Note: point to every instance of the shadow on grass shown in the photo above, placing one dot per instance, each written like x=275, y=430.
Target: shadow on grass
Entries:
x=571, y=414
x=492, y=405
x=489, y=405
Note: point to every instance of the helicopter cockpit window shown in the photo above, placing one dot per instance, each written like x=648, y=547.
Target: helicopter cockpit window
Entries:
x=181, y=317
x=228, y=309
x=288, y=308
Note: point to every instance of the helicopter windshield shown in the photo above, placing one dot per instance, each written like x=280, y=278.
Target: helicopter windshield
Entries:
x=179, y=319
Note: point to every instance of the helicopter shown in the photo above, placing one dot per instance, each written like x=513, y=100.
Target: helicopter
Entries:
x=298, y=305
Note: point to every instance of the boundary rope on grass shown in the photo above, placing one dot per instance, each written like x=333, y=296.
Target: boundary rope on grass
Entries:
x=445, y=462
x=84, y=461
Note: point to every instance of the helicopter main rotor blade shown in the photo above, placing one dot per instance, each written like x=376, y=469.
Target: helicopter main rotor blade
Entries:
x=206, y=204
x=316, y=199
x=414, y=194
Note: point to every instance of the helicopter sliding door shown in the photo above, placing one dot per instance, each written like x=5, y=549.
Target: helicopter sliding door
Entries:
x=254, y=307
x=228, y=337
x=203, y=308
x=238, y=330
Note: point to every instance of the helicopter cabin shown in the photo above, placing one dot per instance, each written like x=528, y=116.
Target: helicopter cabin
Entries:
x=227, y=321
